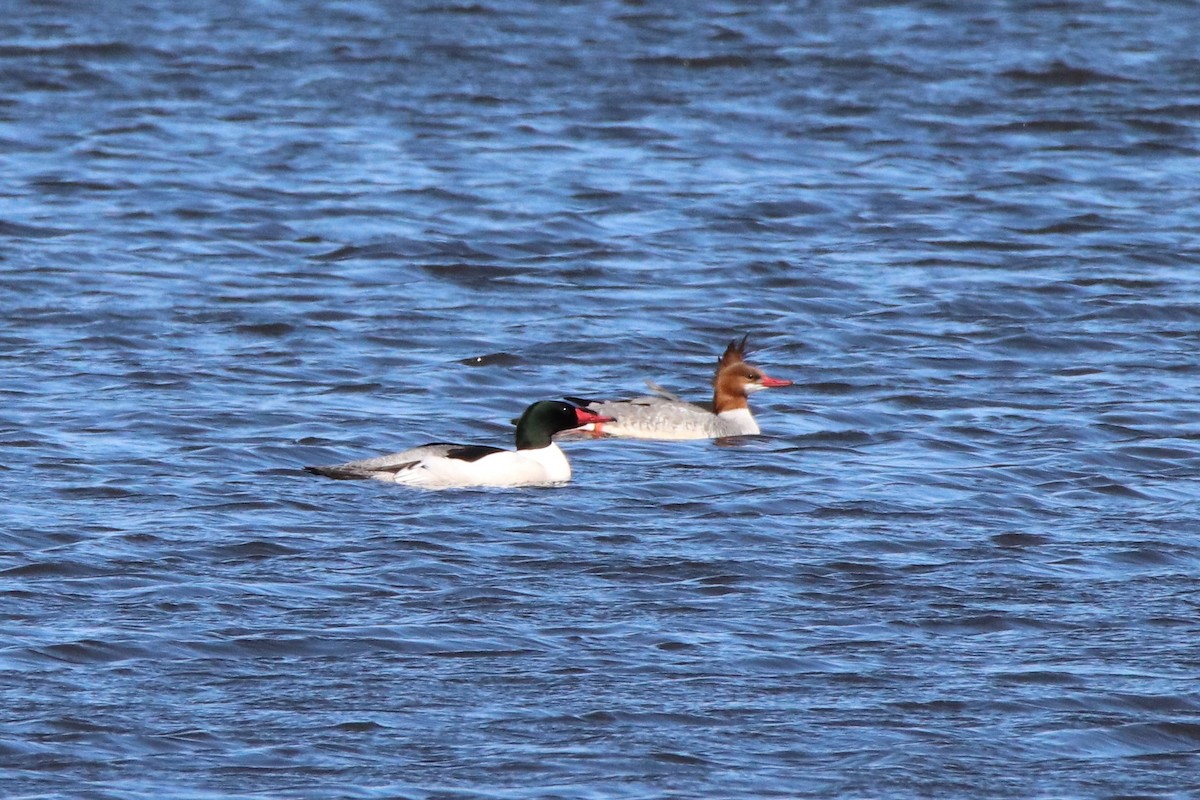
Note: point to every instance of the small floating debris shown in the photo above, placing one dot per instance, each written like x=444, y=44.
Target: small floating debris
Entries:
x=503, y=359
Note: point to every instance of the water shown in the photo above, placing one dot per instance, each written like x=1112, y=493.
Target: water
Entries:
x=960, y=562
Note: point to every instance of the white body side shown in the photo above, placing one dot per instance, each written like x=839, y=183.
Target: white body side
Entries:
x=432, y=467
x=662, y=418
x=545, y=465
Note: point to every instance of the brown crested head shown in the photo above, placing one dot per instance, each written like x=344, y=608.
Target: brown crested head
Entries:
x=735, y=353
x=730, y=387
x=734, y=382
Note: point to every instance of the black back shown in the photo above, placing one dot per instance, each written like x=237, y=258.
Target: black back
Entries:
x=471, y=452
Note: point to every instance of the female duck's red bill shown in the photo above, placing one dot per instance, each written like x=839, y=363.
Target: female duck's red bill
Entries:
x=774, y=383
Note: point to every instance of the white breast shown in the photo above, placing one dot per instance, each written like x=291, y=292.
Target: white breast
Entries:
x=738, y=422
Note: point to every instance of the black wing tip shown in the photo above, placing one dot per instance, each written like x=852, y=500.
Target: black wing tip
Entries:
x=582, y=402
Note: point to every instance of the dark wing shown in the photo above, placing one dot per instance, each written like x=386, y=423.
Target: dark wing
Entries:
x=471, y=452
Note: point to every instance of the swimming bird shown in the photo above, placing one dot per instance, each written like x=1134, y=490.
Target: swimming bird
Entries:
x=666, y=416
x=537, y=461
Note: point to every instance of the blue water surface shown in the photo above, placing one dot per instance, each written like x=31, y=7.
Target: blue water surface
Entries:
x=960, y=561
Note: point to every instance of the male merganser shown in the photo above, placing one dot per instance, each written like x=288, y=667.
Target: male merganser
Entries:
x=665, y=416
x=439, y=465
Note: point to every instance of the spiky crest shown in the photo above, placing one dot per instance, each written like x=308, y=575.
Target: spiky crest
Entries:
x=735, y=353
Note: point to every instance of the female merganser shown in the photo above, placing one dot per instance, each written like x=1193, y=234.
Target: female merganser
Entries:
x=665, y=416
x=439, y=465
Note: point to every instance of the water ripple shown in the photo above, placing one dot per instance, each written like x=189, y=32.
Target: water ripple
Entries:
x=958, y=560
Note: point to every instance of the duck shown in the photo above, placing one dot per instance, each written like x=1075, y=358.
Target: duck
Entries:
x=536, y=461
x=664, y=415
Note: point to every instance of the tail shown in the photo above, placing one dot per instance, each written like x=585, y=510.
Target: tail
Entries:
x=339, y=473
x=666, y=394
